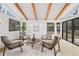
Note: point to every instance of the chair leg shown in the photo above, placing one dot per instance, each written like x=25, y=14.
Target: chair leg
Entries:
x=54, y=51
x=21, y=48
x=42, y=47
x=58, y=46
x=4, y=51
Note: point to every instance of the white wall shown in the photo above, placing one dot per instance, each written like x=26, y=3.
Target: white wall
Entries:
x=4, y=28
x=42, y=27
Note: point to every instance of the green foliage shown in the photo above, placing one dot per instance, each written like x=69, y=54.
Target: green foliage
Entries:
x=23, y=27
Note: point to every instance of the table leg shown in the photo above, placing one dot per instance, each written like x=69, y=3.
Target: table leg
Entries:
x=32, y=45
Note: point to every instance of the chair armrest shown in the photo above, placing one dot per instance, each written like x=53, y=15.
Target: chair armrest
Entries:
x=15, y=42
x=15, y=39
x=27, y=37
x=46, y=43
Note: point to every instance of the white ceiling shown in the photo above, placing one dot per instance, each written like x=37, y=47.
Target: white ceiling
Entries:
x=41, y=10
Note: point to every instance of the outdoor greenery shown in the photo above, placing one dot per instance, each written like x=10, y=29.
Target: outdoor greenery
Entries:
x=22, y=27
x=76, y=24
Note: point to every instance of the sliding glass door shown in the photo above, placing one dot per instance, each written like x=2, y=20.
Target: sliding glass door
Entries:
x=76, y=31
x=69, y=31
x=64, y=30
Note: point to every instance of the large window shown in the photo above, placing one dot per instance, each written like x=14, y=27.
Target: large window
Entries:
x=50, y=27
x=71, y=31
x=58, y=28
x=2, y=9
x=50, y=30
x=7, y=10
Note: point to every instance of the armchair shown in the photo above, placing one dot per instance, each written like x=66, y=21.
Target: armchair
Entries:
x=10, y=45
x=51, y=44
x=23, y=36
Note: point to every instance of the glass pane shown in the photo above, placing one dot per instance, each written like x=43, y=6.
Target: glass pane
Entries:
x=69, y=33
x=73, y=12
x=64, y=30
x=2, y=9
x=76, y=31
x=50, y=30
x=58, y=28
x=50, y=27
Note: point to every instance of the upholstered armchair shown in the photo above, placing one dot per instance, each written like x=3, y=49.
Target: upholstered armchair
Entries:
x=50, y=44
x=10, y=45
x=23, y=36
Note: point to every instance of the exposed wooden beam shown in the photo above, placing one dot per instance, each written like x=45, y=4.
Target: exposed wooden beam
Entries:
x=48, y=10
x=20, y=10
x=33, y=6
x=63, y=9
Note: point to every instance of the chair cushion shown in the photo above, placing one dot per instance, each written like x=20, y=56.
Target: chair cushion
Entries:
x=49, y=46
x=48, y=41
x=14, y=45
x=26, y=37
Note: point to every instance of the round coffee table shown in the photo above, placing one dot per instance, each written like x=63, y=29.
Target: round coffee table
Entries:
x=33, y=42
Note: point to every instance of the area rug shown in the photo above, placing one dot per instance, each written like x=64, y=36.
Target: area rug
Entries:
x=29, y=51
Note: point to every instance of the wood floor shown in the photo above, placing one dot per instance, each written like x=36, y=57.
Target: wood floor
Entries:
x=1, y=49
x=69, y=49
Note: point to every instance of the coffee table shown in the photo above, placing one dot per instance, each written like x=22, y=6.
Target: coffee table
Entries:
x=33, y=42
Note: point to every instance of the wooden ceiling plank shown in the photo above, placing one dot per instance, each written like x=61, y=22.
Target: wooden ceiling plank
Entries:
x=48, y=10
x=20, y=10
x=63, y=9
x=33, y=6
